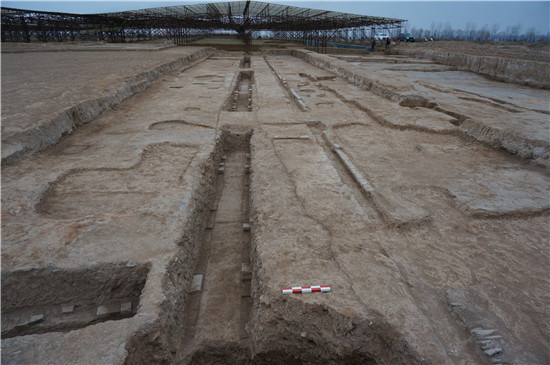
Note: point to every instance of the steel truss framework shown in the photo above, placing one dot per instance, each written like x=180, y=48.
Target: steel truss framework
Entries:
x=183, y=23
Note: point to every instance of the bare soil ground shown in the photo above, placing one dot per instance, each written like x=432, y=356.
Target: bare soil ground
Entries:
x=520, y=63
x=527, y=51
x=38, y=98
x=163, y=230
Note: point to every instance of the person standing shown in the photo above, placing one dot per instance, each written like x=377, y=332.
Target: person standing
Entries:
x=388, y=42
x=373, y=45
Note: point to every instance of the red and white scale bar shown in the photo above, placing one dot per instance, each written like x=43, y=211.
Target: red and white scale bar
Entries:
x=307, y=289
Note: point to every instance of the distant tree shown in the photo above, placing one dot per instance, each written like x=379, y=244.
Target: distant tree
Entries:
x=486, y=33
x=483, y=34
x=514, y=32
x=439, y=30
x=417, y=32
x=435, y=30
x=494, y=32
x=470, y=31
x=530, y=35
x=447, y=32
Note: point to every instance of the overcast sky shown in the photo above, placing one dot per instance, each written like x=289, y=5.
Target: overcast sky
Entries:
x=420, y=14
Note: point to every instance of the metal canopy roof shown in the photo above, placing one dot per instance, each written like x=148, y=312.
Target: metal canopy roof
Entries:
x=236, y=15
x=260, y=15
x=182, y=23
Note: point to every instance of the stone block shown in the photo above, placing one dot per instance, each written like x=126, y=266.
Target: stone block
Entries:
x=67, y=309
x=481, y=332
x=37, y=318
x=493, y=351
x=126, y=307
x=196, y=285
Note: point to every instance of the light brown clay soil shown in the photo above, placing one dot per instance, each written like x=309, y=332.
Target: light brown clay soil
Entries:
x=515, y=62
x=163, y=230
x=526, y=51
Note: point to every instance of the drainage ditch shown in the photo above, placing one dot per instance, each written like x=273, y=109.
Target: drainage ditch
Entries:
x=213, y=312
x=220, y=316
x=240, y=99
x=245, y=62
x=220, y=303
x=290, y=92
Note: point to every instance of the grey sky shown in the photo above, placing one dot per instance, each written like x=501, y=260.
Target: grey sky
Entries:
x=421, y=14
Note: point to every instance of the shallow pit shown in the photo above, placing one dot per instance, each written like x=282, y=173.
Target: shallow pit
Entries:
x=59, y=300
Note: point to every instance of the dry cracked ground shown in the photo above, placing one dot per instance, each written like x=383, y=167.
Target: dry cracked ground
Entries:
x=156, y=200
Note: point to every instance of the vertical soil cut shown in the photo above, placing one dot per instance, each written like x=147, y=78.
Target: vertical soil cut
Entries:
x=60, y=300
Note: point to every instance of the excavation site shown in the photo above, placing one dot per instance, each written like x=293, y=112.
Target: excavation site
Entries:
x=226, y=200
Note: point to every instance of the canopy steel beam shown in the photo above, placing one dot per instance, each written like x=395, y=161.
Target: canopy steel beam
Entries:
x=244, y=17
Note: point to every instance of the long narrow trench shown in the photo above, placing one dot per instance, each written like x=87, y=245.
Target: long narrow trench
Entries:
x=244, y=102
x=220, y=303
x=241, y=100
x=316, y=129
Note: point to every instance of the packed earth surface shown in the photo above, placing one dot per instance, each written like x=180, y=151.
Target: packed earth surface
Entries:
x=156, y=200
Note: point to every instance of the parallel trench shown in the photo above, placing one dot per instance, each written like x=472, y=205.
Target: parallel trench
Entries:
x=317, y=129
x=219, y=304
x=217, y=318
x=219, y=310
x=240, y=100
